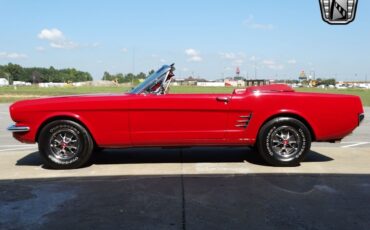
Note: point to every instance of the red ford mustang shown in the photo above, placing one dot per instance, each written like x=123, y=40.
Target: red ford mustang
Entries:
x=279, y=122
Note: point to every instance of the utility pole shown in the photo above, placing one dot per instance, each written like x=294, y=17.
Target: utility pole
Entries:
x=8, y=76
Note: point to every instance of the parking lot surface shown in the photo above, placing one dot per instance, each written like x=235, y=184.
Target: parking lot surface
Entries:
x=192, y=188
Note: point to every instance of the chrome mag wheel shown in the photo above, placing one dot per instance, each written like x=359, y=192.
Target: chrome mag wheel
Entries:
x=285, y=142
x=64, y=144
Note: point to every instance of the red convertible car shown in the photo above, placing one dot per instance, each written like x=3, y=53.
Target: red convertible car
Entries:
x=278, y=121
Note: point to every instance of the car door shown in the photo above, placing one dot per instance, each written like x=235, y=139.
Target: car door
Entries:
x=239, y=119
x=178, y=119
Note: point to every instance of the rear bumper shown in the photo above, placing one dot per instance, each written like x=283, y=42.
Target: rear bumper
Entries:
x=361, y=117
x=18, y=129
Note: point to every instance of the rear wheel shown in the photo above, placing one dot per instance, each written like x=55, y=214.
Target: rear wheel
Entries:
x=284, y=141
x=65, y=144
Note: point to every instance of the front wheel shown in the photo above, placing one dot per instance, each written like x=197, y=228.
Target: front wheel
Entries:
x=65, y=144
x=284, y=141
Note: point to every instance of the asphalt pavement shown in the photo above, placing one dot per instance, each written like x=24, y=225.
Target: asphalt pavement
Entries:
x=192, y=188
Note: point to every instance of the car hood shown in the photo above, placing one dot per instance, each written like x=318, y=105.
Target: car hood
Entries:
x=70, y=102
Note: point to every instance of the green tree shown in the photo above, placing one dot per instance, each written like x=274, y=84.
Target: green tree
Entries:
x=151, y=72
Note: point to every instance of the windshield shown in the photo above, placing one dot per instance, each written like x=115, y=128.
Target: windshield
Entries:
x=152, y=80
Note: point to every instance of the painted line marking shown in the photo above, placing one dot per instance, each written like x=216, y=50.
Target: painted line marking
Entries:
x=14, y=149
x=25, y=145
x=356, y=144
x=350, y=142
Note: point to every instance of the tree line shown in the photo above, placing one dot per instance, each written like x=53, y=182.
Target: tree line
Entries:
x=14, y=72
x=125, y=78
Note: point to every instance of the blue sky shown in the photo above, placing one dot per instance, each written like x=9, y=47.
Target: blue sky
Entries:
x=204, y=38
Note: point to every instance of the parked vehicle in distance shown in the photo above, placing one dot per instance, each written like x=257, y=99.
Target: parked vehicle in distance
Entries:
x=278, y=121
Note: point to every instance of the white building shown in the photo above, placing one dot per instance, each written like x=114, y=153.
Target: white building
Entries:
x=21, y=83
x=234, y=83
x=213, y=84
x=52, y=84
x=4, y=82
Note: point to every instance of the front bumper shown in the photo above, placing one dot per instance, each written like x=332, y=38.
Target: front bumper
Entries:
x=18, y=129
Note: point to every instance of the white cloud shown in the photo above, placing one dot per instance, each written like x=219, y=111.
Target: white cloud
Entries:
x=124, y=50
x=195, y=59
x=250, y=23
x=292, y=61
x=276, y=67
x=158, y=58
x=236, y=58
x=12, y=55
x=40, y=48
x=268, y=62
x=230, y=55
x=238, y=62
x=56, y=39
x=191, y=52
x=271, y=64
x=193, y=55
x=52, y=34
x=253, y=58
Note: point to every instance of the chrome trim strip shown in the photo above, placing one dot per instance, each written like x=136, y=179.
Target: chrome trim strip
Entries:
x=18, y=129
x=244, y=122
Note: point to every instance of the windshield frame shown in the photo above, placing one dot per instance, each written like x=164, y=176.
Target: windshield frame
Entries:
x=159, y=76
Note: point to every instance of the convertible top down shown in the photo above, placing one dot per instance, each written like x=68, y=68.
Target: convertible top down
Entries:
x=278, y=121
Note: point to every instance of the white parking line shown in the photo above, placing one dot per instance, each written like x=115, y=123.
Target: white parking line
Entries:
x=356, y=144
x=24, y=145
x=13, y=149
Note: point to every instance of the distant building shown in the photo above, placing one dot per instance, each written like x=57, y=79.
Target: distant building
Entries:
x=177, y=82
x=21, y=83
x=302, y=76
x=4, y=82
x=52, y=84
x=234, y=83
x=211, y=84
x=192, y=81
x=257, y=82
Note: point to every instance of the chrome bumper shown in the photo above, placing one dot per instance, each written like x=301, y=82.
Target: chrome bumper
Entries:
x=361, y=118
x=18, y=129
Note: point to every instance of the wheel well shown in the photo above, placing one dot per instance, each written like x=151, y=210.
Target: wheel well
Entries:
x=292, y=115
x=62, y=118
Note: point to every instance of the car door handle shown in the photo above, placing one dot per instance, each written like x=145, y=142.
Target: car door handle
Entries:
x=223, y=99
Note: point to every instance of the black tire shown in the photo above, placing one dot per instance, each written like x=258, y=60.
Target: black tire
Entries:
x=284, y=141
x=65, y=144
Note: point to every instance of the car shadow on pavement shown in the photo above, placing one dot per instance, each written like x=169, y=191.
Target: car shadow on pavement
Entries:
x=174, y=155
